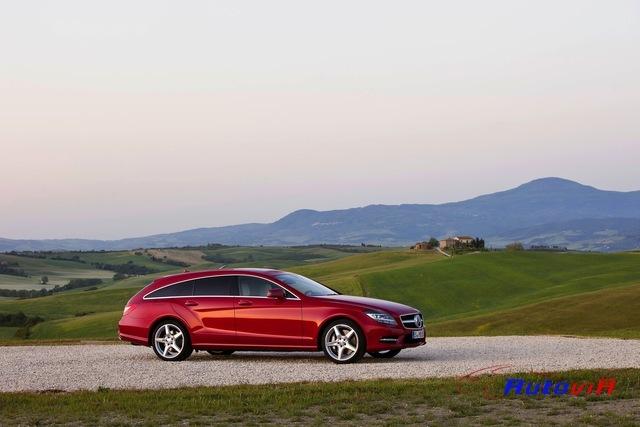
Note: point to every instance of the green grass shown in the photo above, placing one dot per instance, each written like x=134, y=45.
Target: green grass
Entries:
x=7, y=332
x=610, y=312
x=481, y=283
x=459, y=401
x=68, y=304
x=97, y=326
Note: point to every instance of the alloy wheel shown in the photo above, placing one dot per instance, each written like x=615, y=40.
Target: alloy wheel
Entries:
x=341, y=342
x=169, y=341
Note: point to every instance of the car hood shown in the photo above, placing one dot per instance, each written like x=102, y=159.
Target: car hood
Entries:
x=380, y=304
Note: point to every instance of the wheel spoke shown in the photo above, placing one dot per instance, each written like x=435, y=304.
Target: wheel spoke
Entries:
x=166, y=350
x=351, y=332
x=340, y=350
x=350, y=347
x=167, y=331
x=336, y=331
x=175, y=347
x=332, y=343
x=178, y=335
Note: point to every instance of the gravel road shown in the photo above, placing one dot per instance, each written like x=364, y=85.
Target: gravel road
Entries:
x=75, y=367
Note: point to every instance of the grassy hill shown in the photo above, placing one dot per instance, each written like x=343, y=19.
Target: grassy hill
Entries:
x=345, y=274
x=613, y=312
x=490, y=293
x=484, y=282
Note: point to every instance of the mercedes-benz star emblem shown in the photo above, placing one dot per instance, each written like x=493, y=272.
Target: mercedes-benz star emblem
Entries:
x=417, y=320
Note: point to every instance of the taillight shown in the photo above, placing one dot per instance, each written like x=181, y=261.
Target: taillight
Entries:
x=128, y=309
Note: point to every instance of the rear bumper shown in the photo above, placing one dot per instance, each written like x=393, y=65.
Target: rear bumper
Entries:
x=129, y=330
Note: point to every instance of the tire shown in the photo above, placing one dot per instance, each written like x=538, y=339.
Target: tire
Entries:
x=386, y=354
x=220, y=352
x=178, y=347
x=342, y=341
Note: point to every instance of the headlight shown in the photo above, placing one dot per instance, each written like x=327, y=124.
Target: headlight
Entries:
x=381, y=317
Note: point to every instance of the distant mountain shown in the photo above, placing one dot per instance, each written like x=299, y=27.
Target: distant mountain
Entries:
x=607, y=234
x=543, y=211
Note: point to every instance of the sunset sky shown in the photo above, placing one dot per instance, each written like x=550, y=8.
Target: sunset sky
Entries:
x=127, y=118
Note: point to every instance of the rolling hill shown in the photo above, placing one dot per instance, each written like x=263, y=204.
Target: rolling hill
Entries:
x=543, y=211
x=488, y=293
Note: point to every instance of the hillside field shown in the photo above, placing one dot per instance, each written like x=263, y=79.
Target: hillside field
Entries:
x=488, y=293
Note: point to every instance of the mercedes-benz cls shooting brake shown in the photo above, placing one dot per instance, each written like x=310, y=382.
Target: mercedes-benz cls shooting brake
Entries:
x=223, y=311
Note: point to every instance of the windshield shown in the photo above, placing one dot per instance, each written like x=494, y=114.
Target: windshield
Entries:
x=305, y=285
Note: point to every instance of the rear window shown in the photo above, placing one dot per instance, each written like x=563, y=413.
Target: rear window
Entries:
x=183, y=289
x=213, y=286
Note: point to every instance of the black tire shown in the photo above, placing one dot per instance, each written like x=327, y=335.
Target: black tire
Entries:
x=179, y=339
x=345, y=342
x=220, y=352
x=386, y=354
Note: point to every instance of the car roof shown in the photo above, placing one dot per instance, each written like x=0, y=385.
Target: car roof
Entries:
x=186, y=275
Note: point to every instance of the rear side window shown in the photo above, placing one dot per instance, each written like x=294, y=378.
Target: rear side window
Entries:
x=212, y=286
x=183, y=289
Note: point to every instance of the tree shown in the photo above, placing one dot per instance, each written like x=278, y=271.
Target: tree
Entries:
x=478, y=243
x=515, y=246
x=433, y=242
x=44, y=280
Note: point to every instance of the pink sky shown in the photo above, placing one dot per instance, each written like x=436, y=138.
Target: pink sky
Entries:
x=130, y=118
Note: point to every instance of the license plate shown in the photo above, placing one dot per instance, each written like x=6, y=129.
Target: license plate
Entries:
x=416, y=335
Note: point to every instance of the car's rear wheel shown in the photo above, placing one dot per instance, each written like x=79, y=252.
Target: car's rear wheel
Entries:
x=171, y=341
x=220, y=352
x=386, y=354
x=343, y=342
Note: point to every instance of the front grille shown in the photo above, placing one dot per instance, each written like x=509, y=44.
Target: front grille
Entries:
x=409, y=321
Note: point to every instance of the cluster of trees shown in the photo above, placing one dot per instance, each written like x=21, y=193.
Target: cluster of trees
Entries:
x=222, y=259
x=169, y=261
x=515, y=246
x=32, y=293
x=19, y=319
x=29, y=254
x=12, y=268
x=74, y=258
x=477, y=243
x=128, y=269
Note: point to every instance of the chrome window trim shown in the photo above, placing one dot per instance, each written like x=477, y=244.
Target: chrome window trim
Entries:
x=147, y=297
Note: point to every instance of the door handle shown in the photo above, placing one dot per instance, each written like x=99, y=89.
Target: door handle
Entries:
x=190, y=303
x=244, y=302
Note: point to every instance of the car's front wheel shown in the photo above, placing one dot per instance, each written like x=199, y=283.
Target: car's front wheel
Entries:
x=343, y=342
x=171, y=341
x=385, y=354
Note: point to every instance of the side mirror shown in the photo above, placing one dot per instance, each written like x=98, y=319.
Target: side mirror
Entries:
x=277, y=293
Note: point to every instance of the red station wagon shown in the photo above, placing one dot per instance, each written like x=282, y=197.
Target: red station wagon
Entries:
x=223, y=311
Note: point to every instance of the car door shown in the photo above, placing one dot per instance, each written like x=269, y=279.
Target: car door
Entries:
x=266, y=322
x=212, y=307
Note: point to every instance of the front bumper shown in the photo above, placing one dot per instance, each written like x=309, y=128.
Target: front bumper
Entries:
x=391, y=338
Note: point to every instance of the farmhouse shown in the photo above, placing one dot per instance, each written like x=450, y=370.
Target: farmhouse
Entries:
x=422, y=246
x=452, y=242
